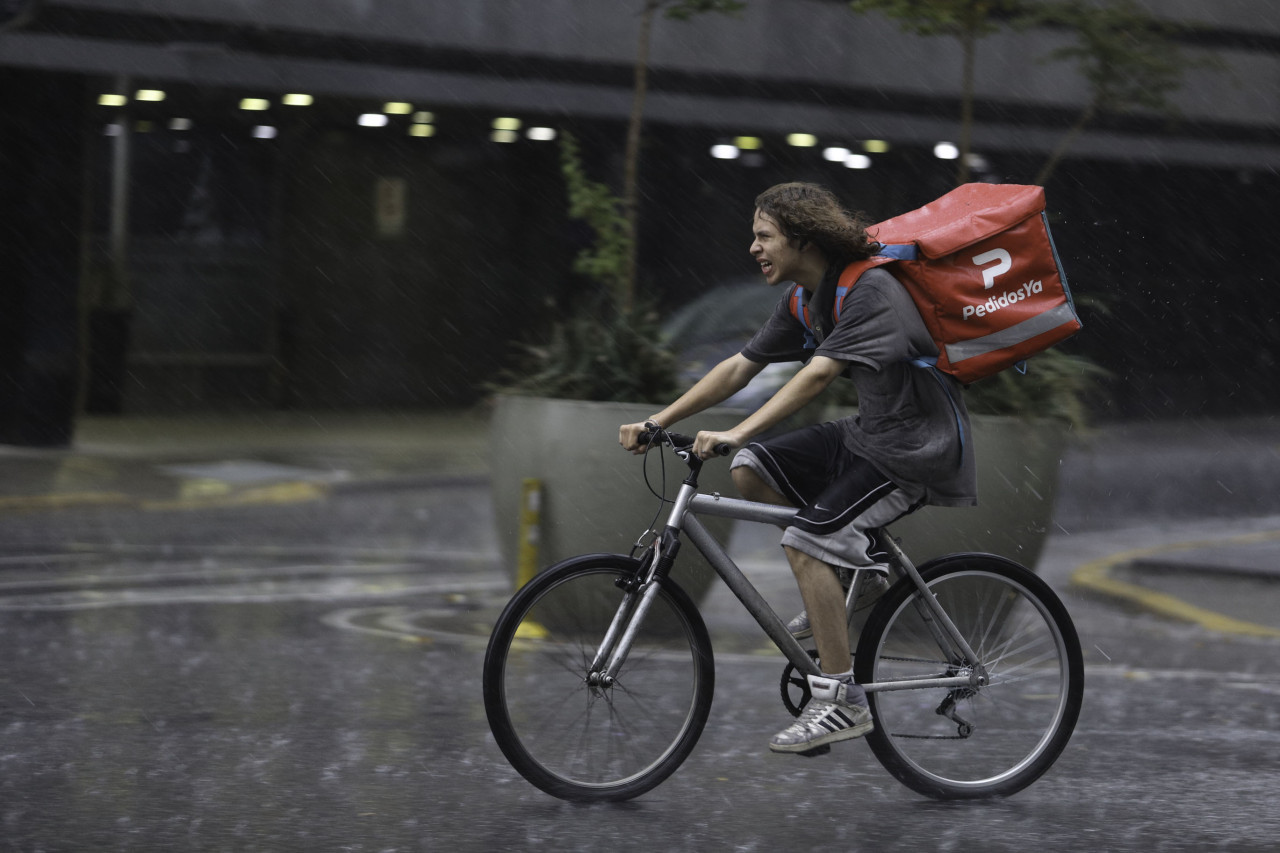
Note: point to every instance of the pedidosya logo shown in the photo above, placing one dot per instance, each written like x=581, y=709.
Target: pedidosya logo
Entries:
x=1004, y=300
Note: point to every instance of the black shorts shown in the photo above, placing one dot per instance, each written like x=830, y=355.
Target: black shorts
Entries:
x=834, y=488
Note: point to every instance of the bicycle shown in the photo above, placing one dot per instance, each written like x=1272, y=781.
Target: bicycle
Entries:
x=599, y=674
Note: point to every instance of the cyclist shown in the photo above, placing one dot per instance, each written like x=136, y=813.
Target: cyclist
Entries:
x=904, y=449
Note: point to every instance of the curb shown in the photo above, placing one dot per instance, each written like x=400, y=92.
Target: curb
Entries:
x=209, y=494
x=1095, y=576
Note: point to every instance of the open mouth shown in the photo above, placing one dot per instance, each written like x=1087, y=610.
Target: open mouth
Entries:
x=766, y=267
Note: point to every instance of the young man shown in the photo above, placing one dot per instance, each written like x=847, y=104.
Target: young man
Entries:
x=904, y=449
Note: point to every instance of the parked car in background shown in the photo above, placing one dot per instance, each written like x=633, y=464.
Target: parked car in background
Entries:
x=720, y=323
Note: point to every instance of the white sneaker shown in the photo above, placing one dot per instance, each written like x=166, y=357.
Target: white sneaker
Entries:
x=831, y=716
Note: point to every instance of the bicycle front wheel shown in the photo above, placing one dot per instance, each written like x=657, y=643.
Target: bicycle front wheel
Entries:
x=988, y=740
x=582, y=741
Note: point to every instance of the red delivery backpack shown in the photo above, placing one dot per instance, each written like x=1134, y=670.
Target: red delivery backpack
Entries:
x=983, y=272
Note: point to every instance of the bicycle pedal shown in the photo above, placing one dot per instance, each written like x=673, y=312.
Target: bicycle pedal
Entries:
x=816, y=751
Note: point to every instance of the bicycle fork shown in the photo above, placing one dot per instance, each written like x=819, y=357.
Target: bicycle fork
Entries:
x=617, y=641
x=640, y=592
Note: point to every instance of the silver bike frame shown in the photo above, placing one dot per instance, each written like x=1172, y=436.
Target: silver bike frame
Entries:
x=683, y=517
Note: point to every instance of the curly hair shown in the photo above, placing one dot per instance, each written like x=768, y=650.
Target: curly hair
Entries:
x=810, y=213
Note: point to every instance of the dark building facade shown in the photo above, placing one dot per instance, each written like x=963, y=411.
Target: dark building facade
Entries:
x=356, y=203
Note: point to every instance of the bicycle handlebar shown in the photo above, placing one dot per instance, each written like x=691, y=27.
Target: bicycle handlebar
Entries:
x=678, y=441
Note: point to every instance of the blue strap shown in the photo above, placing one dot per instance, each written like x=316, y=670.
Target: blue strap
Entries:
x=931, y=364
x=800, y=311
x=900, y=251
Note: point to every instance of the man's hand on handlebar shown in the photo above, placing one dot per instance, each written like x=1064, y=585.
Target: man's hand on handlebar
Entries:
x=636, y=438
x=709, y=444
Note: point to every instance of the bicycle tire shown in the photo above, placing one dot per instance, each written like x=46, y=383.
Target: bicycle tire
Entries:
x=581, y=743
x=1021, y=719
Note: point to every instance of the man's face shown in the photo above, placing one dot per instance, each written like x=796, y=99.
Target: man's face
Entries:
x=777, y=257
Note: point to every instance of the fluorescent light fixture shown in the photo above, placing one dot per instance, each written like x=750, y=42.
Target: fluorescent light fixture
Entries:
x=506, y=124
x=297, y=99
x=180, y=124
x=255, y=104
x=541, y=134
x=372, y=120
x=264, y=131
x=725, y=152
x=946, y=151
x=423, y=117
x=749, y=143
x=501, y=135
x=835, y=154
x=857, y=161
x=109, y=100
x=802, y=140
x=875, y=146
x=397, y=108
x=422, y=130
x=148, y=95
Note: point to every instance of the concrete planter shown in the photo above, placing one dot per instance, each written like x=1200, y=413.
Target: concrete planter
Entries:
x=594, y=497
x=1018, y=463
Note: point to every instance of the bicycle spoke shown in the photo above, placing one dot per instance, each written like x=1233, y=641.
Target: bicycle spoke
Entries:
x=583, y=741
x=999, y=734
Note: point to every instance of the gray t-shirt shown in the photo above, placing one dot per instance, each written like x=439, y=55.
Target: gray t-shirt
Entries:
x=910, y=419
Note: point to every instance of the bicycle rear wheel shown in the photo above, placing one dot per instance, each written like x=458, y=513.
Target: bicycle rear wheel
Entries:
x=982, y=741
x=577, y=741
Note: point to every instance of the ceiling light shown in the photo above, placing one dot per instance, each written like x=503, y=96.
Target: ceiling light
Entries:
x=422, y=130
x=857, y=161
x=397, y=108
x=423, y=117
x=149, y=95
x=180, y=124
x=875, y=146
x=835, y=155
x=504, y=136
x=749, y=143
x=264, y=131
x=725, y=152
x=255, y=104
x=297, y=100
x=506, y=124
x=372, y=120
x=112, y=100
x=802, y=140
x=541, y=134
x=946, y=151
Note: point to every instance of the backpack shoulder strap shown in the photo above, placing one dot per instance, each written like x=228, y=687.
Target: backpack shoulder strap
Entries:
x=800, y=310
x=849, y=277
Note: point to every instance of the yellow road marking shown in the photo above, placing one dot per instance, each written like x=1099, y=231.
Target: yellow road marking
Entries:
x=1096, y=576
x=62, y=500
x=202, y=497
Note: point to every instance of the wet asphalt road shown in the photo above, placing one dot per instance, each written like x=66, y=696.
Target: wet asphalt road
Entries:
x=306, y=677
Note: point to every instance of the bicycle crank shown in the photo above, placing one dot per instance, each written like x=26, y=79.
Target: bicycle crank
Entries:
x=794, y=683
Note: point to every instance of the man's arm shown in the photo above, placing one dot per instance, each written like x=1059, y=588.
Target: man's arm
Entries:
x=811, y=381
x=721, y=382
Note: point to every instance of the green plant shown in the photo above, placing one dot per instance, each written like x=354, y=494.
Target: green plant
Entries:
x=1056, y=384
x=1129, y=59
x=606, y=348
x=598, y=353
x=967, y=21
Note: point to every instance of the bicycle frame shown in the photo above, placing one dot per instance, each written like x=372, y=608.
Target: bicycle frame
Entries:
x=689, y=503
